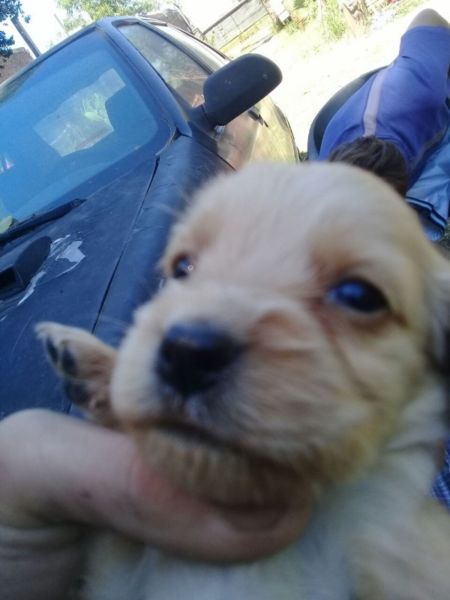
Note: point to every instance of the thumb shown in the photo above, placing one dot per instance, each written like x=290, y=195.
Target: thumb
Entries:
x=55, y=468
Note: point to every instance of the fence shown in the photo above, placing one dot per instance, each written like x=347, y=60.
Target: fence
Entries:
x=374, y=5
x=237, y=22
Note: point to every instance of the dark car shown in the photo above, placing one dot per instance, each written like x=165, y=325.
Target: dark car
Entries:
x=103, y=140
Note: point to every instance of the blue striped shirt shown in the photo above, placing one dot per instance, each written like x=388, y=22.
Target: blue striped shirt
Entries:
x=404, y=103
x=441, y=488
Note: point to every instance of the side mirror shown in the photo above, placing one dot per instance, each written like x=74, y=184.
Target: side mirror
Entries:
x=236, y=87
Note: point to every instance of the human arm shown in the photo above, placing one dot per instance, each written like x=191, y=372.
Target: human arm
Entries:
x=428, y=17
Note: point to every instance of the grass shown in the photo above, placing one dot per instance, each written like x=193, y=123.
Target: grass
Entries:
x=333, y=23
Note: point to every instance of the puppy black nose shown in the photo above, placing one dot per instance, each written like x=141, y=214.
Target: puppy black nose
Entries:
x=193, y=356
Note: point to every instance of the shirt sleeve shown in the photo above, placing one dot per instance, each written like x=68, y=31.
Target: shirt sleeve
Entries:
x=426, y=50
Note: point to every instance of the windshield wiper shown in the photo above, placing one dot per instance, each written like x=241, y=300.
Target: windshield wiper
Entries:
x=38, y=219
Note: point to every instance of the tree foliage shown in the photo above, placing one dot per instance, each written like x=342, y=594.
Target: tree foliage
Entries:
x=8, y=10
x=79, y=11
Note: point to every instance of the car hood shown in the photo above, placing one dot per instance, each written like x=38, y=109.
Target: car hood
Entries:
x=84, y=248
x=101, y=264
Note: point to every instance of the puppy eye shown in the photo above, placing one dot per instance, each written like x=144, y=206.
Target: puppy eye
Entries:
x=358, y=295
x=182, y=266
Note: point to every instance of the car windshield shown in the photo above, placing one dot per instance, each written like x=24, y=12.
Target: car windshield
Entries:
x=75, y=115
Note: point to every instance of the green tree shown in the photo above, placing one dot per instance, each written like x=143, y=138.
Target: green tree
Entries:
x=8, y=10
x=79, y=12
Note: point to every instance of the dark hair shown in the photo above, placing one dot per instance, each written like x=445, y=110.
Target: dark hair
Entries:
x=378, y=156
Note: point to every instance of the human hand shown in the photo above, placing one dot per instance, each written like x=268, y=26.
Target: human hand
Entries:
x=59, y=477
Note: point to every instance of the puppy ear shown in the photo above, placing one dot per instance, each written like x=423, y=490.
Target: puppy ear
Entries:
x=85, y=365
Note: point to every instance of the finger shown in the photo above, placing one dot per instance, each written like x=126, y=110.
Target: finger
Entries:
x=55, y=467
x=68, y=469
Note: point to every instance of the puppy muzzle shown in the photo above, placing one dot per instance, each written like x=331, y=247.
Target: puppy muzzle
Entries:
x=194, y=357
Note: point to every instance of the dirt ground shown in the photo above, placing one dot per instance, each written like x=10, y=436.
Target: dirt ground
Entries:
x=309, y=80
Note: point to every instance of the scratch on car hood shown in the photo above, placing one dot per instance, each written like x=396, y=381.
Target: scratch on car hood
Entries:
x=65, y=255
x=65, y=249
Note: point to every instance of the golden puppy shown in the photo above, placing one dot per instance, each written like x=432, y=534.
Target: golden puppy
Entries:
x=297, y=350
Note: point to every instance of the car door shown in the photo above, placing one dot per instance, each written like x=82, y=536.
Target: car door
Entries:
x=274, y=139
x=184, y=63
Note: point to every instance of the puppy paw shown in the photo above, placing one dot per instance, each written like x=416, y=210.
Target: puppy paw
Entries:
x=85, y=365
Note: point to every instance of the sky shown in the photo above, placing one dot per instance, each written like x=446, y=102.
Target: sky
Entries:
x=43, y=26
x=45, y=30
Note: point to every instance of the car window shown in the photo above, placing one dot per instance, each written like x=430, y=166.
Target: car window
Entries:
x=183, y=74
x=212, y=59
x=68, y=119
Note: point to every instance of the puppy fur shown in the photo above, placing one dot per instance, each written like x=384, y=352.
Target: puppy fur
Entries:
x=345, y=403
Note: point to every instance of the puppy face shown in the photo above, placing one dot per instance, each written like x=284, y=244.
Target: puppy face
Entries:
x=295, y=326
